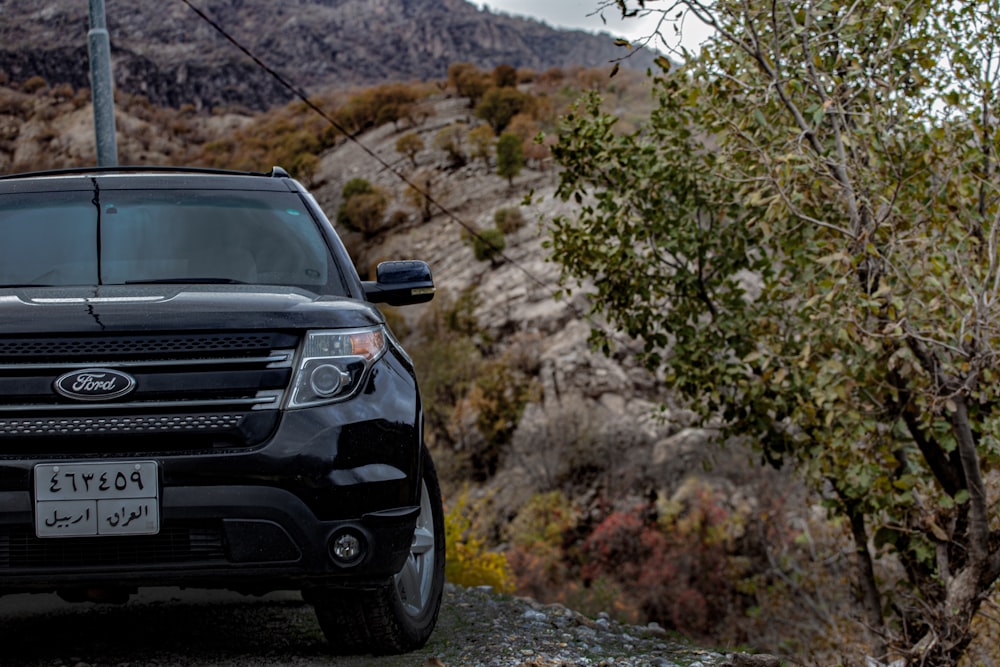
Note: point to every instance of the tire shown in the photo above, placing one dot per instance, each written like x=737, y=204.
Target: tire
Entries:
x=400, y=616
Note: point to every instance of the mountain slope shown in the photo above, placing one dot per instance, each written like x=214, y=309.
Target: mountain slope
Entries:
x=168, y=53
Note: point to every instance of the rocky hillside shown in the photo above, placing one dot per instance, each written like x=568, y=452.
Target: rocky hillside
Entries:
x=166, y=52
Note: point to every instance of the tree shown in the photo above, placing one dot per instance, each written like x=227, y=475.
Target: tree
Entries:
x=468, y=81
x=500, y=105
x=410, y=144
x=504, y=76
x=424, y=190
x=510, y=157
x=806, y=238
x=527, y=130
x=481, y=140
x=449, y=139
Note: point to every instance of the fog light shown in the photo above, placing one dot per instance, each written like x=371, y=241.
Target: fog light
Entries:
x=346, y=548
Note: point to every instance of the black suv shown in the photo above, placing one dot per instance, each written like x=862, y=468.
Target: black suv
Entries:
x=197, y=390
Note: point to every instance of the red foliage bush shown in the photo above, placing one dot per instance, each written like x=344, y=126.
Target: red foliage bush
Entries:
x=681, y=577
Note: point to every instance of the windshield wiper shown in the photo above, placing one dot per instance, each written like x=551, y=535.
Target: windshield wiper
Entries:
x=20, y=285
x=194, y=280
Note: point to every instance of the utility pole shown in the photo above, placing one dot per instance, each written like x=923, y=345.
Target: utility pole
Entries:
x=101, y=85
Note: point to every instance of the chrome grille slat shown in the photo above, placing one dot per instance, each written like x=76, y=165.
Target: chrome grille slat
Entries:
x=252, y=402
x=119, y=424
x=276, y=359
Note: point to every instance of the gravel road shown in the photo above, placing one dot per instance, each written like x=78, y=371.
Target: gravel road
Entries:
x=177, y=628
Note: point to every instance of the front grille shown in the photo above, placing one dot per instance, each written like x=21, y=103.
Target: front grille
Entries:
x=20, y=549
x=192, y=391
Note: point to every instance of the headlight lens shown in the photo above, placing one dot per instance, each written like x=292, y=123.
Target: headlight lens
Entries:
x=333, y=364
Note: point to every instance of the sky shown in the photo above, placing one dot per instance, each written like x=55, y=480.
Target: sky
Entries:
x=582, y=15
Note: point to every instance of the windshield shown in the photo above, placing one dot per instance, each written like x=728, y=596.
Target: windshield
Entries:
x=117, y=237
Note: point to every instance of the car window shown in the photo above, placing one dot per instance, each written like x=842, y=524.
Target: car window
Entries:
x=48, y=240
x=132, y=236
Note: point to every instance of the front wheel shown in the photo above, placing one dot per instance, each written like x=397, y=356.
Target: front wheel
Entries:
x=399, y=616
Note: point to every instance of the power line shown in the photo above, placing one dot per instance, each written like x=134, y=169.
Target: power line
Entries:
x=340, y=128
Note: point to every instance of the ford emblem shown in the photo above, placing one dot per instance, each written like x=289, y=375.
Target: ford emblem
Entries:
x=94, y=384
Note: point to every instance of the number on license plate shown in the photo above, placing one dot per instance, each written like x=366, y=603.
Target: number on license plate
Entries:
x=99, y=498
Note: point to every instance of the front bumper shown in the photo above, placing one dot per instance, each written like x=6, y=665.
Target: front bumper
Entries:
x=243, y=537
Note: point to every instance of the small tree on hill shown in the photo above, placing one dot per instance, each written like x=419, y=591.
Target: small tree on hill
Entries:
x=449, y=139
x=425, y=188
x=481, y=140
x=468, y=81
x=500, y=105
x=410, y=144
x=510, y=157
x=504, y=76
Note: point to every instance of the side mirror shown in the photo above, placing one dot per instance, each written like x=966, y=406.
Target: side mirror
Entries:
x=401, y=283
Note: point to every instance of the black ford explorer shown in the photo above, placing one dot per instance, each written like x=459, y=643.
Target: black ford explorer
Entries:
x=197, y=390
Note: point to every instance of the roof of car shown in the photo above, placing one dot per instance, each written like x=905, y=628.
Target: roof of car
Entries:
x=126, y=177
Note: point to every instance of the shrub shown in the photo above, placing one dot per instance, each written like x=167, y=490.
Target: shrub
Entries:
x=504, y=76
x=679, y=573
x=526, y=75
x=467, y=561
x=285, y=137
x=510, y=157
x=468, y=81
x=424, y=189
x=365, y=213
x=447, y=358
x=500, y=105
x=304, y=167
x=488, y=244
x=449, y=140
x=538, y=536
x=34, y=84
x=355, y=186
x=63, y=92
x=398, y=218
x=386, y=103
x=410, y=144
x=362, y=208
x=497, y=399
x=14, y=104
x=508, y=219
x=524, y=127
x=481, y=140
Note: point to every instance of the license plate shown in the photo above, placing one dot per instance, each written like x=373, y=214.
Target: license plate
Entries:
x=99, y=498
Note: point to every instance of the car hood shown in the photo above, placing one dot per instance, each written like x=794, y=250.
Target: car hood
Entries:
x=118, y=308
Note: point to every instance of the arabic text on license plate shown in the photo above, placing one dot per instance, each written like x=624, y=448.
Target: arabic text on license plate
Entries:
x=99, y=498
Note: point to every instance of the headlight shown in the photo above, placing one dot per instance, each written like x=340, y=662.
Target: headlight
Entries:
x=333, y=365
